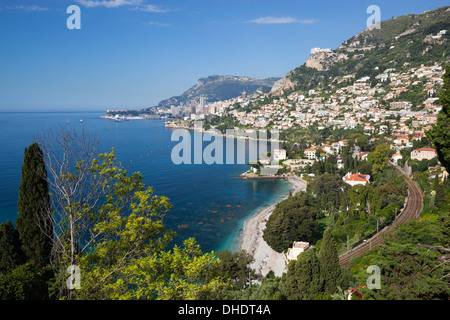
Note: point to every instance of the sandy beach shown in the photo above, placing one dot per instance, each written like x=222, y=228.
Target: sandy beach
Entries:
x=265, y=258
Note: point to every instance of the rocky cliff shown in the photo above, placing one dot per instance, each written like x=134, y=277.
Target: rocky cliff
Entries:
x=323, y=61
x=219, y=88
x=412, y=39
x=279, y=86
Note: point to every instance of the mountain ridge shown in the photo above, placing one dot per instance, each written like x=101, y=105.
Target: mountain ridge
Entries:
x=220, y=87
x=407, y=39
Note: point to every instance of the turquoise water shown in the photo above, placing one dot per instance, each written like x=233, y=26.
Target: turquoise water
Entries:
x=209, y=199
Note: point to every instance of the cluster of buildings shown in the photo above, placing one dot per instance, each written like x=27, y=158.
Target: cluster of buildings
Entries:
x=377, y=108
x=348, y=103
x=199, y=110
x=374, y=104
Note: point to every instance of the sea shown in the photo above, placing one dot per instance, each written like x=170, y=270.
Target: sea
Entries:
x=210, y=203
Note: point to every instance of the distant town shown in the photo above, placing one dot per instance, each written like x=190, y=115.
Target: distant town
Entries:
x=348, y=103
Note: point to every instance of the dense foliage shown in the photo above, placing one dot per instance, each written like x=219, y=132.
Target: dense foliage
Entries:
x=128, y=255
x=355, y=212
x=25, y=251
x=304, y=279
x=292, y=219
x=389, y=50
x=34, y=202
x=329, y=264
x=440, y=134
x=408, y=269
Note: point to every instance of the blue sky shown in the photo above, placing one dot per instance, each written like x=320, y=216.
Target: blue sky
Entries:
x=134, y=53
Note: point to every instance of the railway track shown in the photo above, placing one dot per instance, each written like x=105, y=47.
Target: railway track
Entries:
x=411, y=210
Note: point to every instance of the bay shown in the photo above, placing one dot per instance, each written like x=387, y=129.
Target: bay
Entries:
x=209, y=202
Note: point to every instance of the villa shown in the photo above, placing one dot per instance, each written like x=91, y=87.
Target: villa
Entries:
x=279, y=154
x=356, y=178
x=423, y=153
x=363, y=155
x=297, y=248
x=396, y=157
x=310, y=154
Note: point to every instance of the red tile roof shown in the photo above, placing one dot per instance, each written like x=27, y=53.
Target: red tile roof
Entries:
x=356, y=177
x=426, y=149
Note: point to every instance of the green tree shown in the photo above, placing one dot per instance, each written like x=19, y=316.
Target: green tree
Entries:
x=126, y=226
x=363, y=142
x=10, y=252
x=111, y=226
x=127, y=257
x=235, y=266
x=269, y=289
x=291, y=220
x=410, y=273
x=411, y=260
x=327, y=188
x=329, y=264
x=184, y=273
x=25, y=282
x=358, y=197
x=440, y=133
x=379, y=158
x=443, y=233
x=303, y=280
x=33, y=224
x=440, y=192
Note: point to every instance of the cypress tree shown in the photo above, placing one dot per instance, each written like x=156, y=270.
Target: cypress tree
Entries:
x=303, y=280
x=440, y=133
x=33, y=222
x=440, y=192
x=444, y=229
x=312, y=280
x=329, y=264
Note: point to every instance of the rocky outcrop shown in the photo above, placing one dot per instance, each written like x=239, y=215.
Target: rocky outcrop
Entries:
x=281, y=85
x=219, y=88
x=323, y=61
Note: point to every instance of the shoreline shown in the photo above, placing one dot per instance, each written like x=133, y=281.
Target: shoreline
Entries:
x=265, y=258
x=224, y=135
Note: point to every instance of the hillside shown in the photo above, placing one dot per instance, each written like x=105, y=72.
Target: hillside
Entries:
x=219, y=87
x=411, y=40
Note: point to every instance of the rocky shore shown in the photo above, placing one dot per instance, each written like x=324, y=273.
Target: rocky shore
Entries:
x=265, y=258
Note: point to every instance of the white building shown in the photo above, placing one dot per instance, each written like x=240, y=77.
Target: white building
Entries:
x=317, y=50
x=396, y=157
x=297, y=248
x=423, y=153
x=310, y=154
x=356, y=178
x=279, y=154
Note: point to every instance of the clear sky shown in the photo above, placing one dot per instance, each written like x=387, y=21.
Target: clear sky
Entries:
x=134, y=53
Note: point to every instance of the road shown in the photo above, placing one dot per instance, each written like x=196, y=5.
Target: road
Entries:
x=411, y=210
